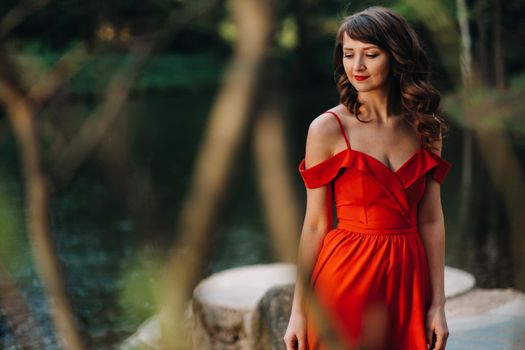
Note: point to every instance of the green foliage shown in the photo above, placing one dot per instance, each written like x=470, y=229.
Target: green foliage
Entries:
x=492, y=108
x=162, y=72
x=13, y=241
x=140, y=286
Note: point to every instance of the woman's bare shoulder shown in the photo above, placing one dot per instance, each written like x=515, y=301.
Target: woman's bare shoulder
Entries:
x=321, y=139
x=323, y=126
x=326, y=123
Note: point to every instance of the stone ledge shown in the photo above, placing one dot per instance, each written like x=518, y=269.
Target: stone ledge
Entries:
x=479, y=301
x=226, y=307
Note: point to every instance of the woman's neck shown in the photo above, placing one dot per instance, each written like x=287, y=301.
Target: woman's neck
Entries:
x=379, y=106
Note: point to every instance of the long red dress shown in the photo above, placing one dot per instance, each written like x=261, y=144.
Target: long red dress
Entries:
x=373, y=264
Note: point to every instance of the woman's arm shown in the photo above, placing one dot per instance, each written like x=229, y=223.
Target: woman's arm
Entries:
x=317, y=222
x=309, y=246
x=318, y=215
x=432, y=230
x=431, y=225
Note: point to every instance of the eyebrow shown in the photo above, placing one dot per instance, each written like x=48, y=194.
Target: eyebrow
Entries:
x=364, y=48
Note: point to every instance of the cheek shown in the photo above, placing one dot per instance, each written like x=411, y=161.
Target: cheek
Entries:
x=348, y=70
x=347, y=66
x=378, y=68
x=383, y=66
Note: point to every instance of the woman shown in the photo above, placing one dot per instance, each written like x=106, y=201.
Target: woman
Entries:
x=379, y=274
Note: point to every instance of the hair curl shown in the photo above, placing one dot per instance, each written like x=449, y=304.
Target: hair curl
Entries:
x=410, y=68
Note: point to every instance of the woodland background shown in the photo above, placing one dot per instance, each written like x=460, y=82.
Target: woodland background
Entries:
x=147, y=144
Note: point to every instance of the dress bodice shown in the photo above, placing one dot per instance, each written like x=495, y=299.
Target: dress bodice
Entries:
x=370, y=195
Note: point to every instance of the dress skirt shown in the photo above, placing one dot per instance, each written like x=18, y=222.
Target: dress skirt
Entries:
x=374, y=289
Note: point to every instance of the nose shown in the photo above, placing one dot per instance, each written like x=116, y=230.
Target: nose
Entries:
x=358, y=63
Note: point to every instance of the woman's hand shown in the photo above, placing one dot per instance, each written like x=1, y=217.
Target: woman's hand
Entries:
x=437, y=327
x=295, y=336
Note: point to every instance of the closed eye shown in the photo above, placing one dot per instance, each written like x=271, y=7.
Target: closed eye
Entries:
x=369, y=55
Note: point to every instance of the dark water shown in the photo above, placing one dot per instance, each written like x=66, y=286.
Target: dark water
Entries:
x=111, y=281
x=107, y=265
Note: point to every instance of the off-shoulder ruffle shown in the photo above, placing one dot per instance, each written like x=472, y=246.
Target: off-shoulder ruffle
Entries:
x=441, y=169
x=419, y=164
x=427, y=161
x=324, y=172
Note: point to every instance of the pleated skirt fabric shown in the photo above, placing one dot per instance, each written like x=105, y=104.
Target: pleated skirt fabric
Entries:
x=374, y=289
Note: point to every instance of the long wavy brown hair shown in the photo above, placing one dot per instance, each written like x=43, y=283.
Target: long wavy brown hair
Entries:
x=410, y=69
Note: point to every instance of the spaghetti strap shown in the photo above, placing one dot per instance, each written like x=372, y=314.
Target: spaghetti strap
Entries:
x=342, y=128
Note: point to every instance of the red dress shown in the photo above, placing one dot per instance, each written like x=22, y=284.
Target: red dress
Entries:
x=372, y=265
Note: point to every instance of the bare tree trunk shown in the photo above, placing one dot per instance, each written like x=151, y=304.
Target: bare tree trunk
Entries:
x=21, y=108
x=20, y=114
x=482, y=21
x=215, y=159
x=301, y=9
x=466, y=214
x=509, y=180
x=499, y=61
x=18, y=14
x=502, y=167
x=465, y=55
x=275, y=183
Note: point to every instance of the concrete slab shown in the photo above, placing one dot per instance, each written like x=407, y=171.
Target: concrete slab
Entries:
x=500, y=328
x=244, y=286
x=457, y=281
x=498, y=334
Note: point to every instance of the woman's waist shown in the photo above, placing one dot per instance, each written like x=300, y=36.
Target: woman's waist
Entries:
x=376, y=229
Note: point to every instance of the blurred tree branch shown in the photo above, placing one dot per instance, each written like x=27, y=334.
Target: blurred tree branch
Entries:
x=97, y=125
x=21, y=112
x=21, y=109
x=280, y=207
x=500, y=72
x=483, y=112
x=508, y=178
x=466, y=199
x=55, y=79
x=215, y=160
x=18, y=14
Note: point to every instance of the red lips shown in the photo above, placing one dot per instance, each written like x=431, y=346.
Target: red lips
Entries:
x=361, y=77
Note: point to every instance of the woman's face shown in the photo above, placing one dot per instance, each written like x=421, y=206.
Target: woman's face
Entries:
x=366, y=65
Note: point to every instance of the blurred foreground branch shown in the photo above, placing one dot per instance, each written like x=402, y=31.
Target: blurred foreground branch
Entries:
x=466, y=208
x=97, y=125
x=280, y=207
x=215, y=160
x=509, y=179
x=21, y=112
x=18, y=14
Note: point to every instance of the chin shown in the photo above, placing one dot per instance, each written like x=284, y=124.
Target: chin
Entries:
x=365, y=88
